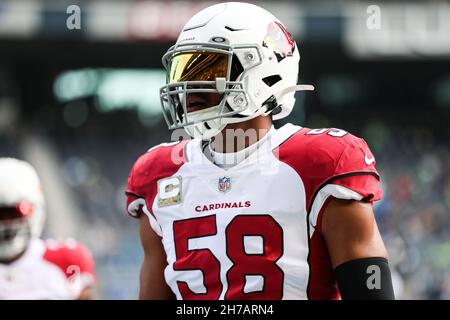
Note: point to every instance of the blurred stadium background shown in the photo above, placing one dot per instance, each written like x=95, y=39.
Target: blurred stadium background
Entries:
x=81, y=105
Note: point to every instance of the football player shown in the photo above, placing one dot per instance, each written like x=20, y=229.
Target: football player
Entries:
x=244, y=210
x=31, y=268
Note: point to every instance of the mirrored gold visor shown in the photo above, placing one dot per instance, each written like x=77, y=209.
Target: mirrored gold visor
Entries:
x=196, y=66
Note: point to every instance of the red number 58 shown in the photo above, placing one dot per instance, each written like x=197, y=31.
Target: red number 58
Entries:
x=262, y=264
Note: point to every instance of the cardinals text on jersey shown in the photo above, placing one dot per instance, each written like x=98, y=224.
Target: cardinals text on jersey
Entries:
x=252, y=231
x=48, y=270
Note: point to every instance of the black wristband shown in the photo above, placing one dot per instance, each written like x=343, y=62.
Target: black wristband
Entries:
x=365, y=279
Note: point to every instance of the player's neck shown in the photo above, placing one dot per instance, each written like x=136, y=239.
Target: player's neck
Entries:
x=238, y=136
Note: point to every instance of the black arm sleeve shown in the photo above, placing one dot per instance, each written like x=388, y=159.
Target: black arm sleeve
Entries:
x=365, y=279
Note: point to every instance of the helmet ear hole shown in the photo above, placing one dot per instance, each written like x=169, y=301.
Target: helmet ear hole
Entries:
x=271, y=80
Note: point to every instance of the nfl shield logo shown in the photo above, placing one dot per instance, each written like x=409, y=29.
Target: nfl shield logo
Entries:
x=224, y=184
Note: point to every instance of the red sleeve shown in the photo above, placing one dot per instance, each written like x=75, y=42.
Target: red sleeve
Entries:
x=356, y=170
x=74, y=260
x=341, y=166
x=159, y=162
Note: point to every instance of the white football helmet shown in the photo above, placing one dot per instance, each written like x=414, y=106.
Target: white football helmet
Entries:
x=237, y=53
x=22, y=206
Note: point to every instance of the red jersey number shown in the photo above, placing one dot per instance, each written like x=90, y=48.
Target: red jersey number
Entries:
x=331, y=132
x=262, y=264
x=199, y=259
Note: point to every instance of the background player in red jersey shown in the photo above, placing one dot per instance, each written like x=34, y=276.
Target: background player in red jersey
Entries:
x=31, y=268
x=308, y=231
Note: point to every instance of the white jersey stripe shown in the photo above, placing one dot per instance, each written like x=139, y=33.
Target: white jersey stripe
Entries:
x=334, y=190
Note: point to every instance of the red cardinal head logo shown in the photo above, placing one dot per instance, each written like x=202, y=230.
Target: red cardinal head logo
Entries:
x=279, y=40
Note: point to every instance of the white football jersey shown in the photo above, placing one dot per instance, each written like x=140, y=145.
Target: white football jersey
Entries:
x=251, y=231
x=47, y=270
